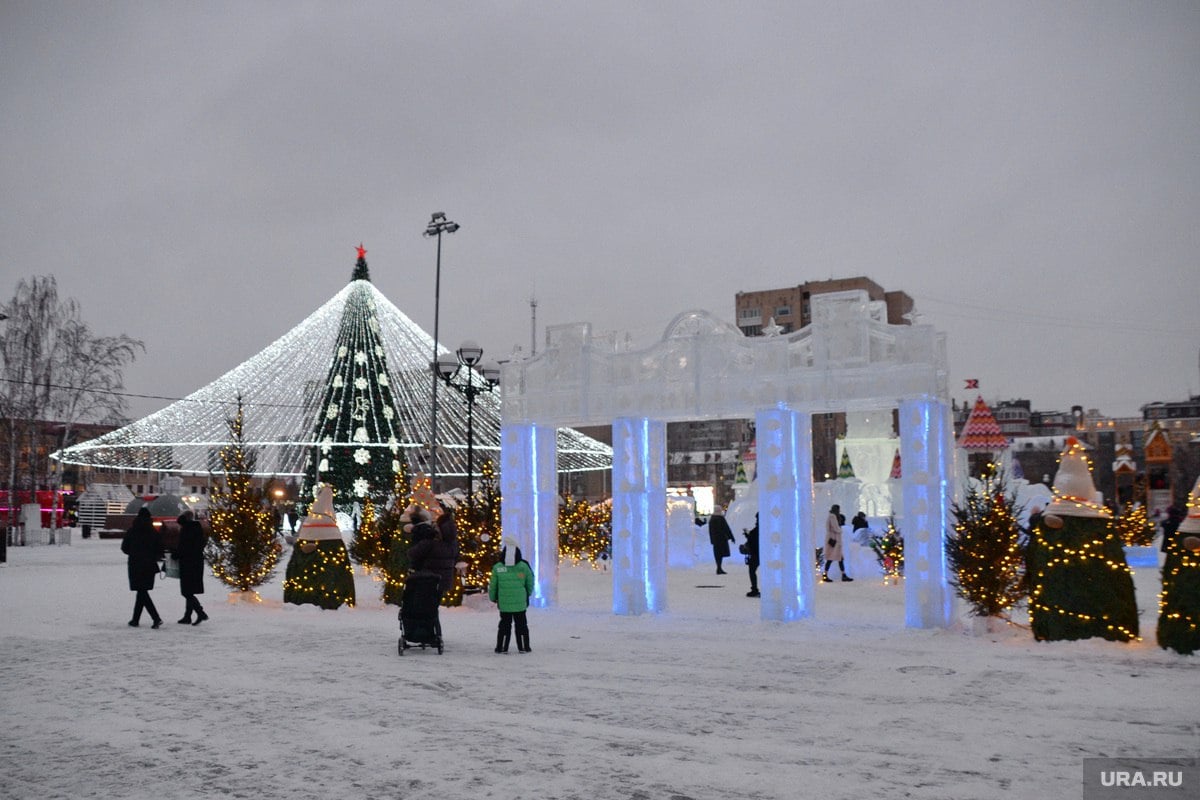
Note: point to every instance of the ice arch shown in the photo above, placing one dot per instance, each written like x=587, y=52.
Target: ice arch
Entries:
x=848, y=359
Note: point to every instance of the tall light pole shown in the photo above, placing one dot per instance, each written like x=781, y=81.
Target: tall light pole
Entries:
x=438, y=225
x=469, y=355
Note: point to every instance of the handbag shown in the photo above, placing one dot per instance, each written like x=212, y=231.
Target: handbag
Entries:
x=171, y=567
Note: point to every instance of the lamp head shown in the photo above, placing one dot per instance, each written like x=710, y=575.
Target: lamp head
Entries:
x=491, y=374
x=445, y=367
x=470, y=352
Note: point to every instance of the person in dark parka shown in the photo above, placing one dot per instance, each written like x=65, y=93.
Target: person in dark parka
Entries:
x=190, y=553
x=720, y=535
x=144, y=547
x=750, y=550
x=432, y=553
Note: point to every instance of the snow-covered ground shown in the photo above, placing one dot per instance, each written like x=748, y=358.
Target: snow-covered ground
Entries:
x=704, y=701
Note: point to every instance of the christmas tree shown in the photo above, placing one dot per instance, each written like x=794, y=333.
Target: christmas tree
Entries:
x=1134, y=526
x=243, y=549
x=584, y=532
x=367, y=547
x=357, y=426
x=845, y=470
x=889, y=552
x=896, y=472
x=319, y=571
x=984, y=549
x=1179, y=602
x=394, y=543
x=479, y=530
x=1079, y=583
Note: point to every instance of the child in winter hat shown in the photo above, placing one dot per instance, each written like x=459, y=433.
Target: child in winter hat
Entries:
x=510, y=587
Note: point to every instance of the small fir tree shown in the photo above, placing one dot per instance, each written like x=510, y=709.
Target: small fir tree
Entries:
x=583, y=533
x=1134, y=526
x=243, y=549
x=983, y=549
x=367, y=547
x=393, y=542
x=889, y=552
x=479, y=531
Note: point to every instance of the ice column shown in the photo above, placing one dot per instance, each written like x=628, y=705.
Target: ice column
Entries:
x=925, y=453
x=785, y=508
x=529, y=514
x=639, y=516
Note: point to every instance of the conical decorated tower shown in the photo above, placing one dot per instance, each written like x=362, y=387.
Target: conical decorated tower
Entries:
x=356, y=429
x=1179, y=602
x=1080, y=585
x=983, y=440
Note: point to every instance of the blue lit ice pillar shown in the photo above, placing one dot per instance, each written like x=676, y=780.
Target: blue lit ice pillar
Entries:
x=925, y=459
x=529, y=514
x=785, y=508
x=639, y=516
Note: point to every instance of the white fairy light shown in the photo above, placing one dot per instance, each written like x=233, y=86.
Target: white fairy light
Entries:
x=283, y=388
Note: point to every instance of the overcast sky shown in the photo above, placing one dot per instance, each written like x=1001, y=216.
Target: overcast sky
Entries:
x=198, y=175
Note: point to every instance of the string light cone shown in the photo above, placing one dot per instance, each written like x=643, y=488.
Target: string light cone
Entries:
x=286, y=390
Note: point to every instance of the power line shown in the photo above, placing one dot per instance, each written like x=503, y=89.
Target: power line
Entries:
x=150, y=396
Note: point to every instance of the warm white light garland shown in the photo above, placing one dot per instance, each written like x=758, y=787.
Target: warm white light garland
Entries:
x=282, y=389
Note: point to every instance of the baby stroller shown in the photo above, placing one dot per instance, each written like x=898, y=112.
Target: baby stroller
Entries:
x=418, y=615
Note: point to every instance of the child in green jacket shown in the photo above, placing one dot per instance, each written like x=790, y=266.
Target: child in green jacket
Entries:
x=509, y=587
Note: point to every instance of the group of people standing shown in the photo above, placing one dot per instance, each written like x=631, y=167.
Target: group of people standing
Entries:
x=720, y=535
x=435, y=548
x=143, y=545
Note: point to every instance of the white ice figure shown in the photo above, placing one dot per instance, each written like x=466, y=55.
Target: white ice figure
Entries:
x=871, y=444
x=740, y=514
x=848, y=359
x=682, y=533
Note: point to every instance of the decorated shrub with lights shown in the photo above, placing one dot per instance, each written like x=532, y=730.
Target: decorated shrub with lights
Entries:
x=889, y=552
x=319, y=571
x=1134, y=526
x=1179, y=602
x=984, y=548
x=584, y=532
x=479, y=531
x=243, y=549
x=366, y=549
x=1079, y=583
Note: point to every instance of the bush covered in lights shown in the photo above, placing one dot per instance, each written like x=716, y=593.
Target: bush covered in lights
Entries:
x=584, y=532
x=1179, y=602
x=479, y=532
x=243, y=549
x=1079, y=583
x=1134, y=526
x=984, y=549
x=889, y=552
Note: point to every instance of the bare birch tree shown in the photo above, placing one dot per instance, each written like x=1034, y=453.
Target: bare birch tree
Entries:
x=53, y=368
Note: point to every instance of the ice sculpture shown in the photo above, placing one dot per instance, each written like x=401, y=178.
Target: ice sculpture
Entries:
x=849, y=359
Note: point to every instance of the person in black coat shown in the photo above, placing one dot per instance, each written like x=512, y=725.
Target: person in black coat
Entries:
x=190, y=553
x=144, y=547
x=431, y=552
x=750, y=550
x=720, y=535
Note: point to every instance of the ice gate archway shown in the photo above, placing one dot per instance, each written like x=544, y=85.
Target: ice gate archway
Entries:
x=849, y=358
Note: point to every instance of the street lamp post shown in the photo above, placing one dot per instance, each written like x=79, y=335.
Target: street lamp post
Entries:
x=438, y=224
x=464, y=369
